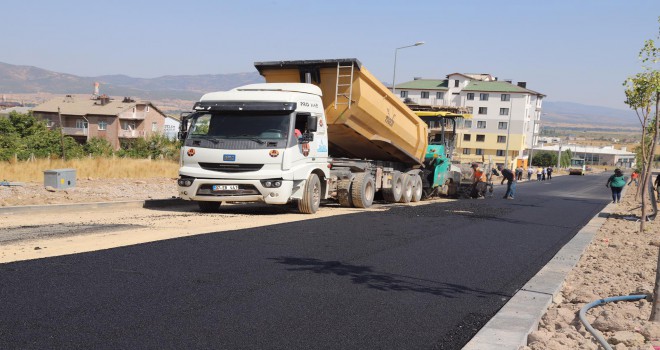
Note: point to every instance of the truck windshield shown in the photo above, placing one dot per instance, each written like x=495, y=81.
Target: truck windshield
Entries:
x=248, y=126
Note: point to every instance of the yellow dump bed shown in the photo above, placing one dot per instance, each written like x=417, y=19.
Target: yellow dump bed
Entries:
x=365, y=120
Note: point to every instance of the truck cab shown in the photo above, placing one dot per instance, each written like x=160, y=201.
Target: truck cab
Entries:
x=256, y=143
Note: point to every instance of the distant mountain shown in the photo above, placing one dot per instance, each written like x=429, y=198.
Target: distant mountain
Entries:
x=27, y=79
x=558, y=112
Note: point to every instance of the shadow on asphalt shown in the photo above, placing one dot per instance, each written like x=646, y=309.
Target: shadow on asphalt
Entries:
x=382, y=281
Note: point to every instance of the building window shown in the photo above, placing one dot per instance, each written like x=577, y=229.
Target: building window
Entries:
x=425, y=94
x=81, y=124
x=502, y=125
x=440, y=95
x=456, y=83
x=483, y=97
x=50, y=123
x=467, y=137
x=470, y=96
x=504, y=111
x=466, y=151
x=468, y=124
x=403, y=94
x=506, y=97
x=470, y=109
x=481, y=138
x=481, y=124
x=483, y=110
x=479, y=152
x=103, y=125
x=154, y=126
x=500, y=153
x=501, y=139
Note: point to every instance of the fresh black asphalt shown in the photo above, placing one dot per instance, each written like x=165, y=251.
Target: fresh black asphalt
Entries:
x=419, y=277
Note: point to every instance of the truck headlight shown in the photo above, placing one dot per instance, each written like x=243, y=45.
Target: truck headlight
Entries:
x=185, y=181
x=271, y=183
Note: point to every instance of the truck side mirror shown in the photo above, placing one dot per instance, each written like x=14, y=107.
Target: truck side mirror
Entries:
x=183, y=127
x=312, y=123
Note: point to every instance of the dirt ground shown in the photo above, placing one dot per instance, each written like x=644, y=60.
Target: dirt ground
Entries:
x=619, y=261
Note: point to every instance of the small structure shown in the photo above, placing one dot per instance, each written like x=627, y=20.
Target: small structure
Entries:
x=595, y=155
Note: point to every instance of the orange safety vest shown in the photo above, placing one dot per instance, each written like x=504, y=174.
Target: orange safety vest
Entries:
x=479, y=175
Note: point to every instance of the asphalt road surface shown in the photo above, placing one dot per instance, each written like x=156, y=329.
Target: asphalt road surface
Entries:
x=424, y=277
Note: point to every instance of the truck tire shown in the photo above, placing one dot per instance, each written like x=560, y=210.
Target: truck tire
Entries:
x=417, y=189
x=407, y=193
x=208, y=207
x=311, y=199
x=363, y=190
x=344, y=193
x=393, y=194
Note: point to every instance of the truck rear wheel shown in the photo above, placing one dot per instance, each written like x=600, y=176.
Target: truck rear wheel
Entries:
x=311, y=199
x=417, y=189
x=393, y=194
x=344, y=193
x=363, y=190
x=407, y=193
x=208, y=207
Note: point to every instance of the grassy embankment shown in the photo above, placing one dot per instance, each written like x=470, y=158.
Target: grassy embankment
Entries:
x=95, y=168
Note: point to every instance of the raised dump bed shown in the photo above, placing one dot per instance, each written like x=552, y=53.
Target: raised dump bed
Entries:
x=365, y=120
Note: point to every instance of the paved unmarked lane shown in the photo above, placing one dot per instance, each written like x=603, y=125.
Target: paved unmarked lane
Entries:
x=409, y=278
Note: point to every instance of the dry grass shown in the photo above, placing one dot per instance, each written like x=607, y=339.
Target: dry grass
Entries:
x=97, y=168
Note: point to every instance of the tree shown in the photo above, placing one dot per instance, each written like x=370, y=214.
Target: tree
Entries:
x=544, y=159
x=643, y=96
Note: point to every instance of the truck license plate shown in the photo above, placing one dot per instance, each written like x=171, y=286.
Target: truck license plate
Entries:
x=225, y=187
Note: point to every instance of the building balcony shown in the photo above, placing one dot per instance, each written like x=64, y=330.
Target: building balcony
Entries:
x=75, y=131
x=131, y=134
x=133, y=116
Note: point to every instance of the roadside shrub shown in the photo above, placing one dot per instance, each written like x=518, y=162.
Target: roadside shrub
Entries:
x=98, y=147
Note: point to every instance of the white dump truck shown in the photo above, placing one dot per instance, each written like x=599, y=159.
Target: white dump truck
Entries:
x=321, y=129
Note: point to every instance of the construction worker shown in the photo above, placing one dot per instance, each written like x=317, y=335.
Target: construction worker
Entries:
x=479, y=182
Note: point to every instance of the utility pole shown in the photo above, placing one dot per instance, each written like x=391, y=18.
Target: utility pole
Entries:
x=59, y=116
x=559, y=156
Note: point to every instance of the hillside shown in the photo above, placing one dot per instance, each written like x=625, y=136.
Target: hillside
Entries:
x=27, y=79
x=178, y=92
x=559, y=113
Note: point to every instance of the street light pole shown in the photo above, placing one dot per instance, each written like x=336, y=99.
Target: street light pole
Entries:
x=395, y=52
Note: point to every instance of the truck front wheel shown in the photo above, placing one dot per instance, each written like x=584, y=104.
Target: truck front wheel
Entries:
x=208, y=207
x=363, y=190
x=311, y=199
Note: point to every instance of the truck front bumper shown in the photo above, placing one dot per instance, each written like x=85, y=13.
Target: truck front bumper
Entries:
x=247, y=191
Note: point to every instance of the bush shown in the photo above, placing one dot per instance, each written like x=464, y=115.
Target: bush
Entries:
x=25, y=136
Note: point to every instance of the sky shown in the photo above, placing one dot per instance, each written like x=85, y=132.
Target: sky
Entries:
x=570, y=50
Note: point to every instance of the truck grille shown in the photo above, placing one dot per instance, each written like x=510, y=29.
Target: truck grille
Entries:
x=231, y=168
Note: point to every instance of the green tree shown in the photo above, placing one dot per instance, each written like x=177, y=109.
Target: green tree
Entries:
x=643, y=96
x=544, y=159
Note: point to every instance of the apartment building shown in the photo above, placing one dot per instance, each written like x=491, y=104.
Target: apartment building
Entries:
x=113, y=120
x=504, y=116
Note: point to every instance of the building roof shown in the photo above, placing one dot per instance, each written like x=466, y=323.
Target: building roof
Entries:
x=497, y=86
x=77, y=106
x=424, y=84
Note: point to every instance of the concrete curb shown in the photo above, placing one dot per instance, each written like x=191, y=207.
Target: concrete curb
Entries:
x=66, y=208
x=509, y=328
